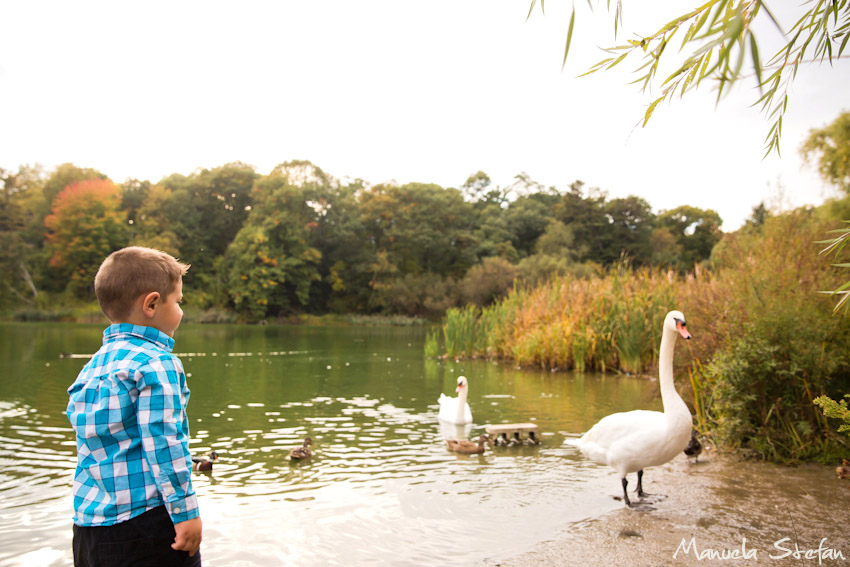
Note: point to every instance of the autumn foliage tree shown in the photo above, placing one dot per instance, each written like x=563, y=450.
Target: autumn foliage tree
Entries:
x=85, y=225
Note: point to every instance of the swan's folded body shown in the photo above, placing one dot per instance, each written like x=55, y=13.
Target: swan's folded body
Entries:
x=456, y=410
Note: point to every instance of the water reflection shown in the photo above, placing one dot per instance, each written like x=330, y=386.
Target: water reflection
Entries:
x=381, y=488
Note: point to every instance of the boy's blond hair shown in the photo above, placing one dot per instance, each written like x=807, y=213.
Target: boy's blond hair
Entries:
x=133, y=271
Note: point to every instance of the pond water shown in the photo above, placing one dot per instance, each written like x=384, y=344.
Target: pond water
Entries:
x=382, y=489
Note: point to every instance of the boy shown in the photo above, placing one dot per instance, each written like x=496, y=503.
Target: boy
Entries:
x=133, y=498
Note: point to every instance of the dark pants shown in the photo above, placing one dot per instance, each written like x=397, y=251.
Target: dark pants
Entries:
x=143, y=541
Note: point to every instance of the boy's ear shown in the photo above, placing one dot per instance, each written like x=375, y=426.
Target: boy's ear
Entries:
x=149, y=303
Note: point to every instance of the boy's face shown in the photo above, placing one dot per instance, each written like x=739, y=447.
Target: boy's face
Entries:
x=168, y=314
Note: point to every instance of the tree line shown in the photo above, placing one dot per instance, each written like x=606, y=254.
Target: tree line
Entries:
x=301, y=241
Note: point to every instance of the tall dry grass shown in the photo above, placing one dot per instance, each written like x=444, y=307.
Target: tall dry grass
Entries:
x=609, y=322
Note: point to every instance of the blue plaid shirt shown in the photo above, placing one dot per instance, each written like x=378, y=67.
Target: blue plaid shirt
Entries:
x=128, y=409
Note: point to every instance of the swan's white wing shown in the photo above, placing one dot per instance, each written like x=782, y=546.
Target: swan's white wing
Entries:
x=618, y=438
x=448, y=410
x=467, y=413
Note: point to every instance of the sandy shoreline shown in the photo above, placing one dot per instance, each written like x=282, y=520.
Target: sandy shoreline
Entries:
x=752, y=512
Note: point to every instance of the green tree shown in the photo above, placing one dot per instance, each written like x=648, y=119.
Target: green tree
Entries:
x=715, y=38
x=587, y=219
x=477, y=187
x=85, y=225
x=422, y=227
x=527, y=217
x=759, y=216
x=629, y=230
x=270, y=265
x=152, y=224
x=488, y=281
x=417, y=234
x=21, y=199
x=493, y=232
x=666, y=249
x=555, y=253
x=829, y=148
x=205, y=211
x=134, y=194
x=340, y=236
x=696, y=231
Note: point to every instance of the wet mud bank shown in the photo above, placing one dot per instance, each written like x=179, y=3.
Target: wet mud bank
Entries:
x=720, y=511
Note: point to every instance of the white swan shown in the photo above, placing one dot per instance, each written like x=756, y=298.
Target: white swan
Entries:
x=631, y=441
x=456, y=410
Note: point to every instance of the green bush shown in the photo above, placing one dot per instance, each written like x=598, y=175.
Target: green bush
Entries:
x=770, y=341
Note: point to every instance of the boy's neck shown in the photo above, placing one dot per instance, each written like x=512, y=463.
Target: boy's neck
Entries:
x=134, y=322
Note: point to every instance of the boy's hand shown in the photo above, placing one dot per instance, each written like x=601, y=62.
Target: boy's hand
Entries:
x=188, y=536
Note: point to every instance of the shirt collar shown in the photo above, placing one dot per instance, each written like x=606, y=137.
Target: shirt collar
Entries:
x=122, y=331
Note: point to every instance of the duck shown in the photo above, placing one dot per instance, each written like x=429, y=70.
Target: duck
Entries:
x=631, y=441
x=456, y=410
x=694, y=447
x=468, y=447
x=202, y=464
x=844, y=470
x=302, y=452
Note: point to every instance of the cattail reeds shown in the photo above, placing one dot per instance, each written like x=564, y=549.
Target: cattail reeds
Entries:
x=601, y=323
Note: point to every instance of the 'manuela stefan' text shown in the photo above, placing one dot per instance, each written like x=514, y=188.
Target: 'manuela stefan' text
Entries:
x=782, y=550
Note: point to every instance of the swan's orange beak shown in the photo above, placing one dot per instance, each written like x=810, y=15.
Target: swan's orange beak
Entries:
x=682, y=328
x=459, y=388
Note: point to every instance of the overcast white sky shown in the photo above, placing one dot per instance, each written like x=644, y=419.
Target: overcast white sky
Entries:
x=387, y=90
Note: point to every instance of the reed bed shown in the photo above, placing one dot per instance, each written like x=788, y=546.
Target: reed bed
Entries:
x=608, y=322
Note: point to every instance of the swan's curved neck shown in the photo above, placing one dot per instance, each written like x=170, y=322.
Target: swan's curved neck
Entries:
x=461, y=405
x=669, y=396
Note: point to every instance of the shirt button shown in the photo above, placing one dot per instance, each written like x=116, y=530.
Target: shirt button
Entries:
x=177, y=510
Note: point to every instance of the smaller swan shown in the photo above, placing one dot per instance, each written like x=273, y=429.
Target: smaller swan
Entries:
x=456, y=410
x=202, y=464
x=468, y=447
x=302, y=452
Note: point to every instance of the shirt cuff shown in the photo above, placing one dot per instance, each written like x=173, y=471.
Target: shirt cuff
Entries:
x=183, y=509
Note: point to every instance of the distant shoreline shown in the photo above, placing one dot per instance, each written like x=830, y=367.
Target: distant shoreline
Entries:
x=90, y=314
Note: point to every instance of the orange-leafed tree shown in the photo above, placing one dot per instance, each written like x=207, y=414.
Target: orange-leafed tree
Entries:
x=85, y=225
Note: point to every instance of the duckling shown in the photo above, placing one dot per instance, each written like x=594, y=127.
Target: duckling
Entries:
x=202, y=464
x=468, y=447
x=302, y=452
x=694, y=447
x=501, y=440
x=844, y=470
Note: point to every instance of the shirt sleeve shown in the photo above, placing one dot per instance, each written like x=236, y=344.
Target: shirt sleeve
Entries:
x=164, y=428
